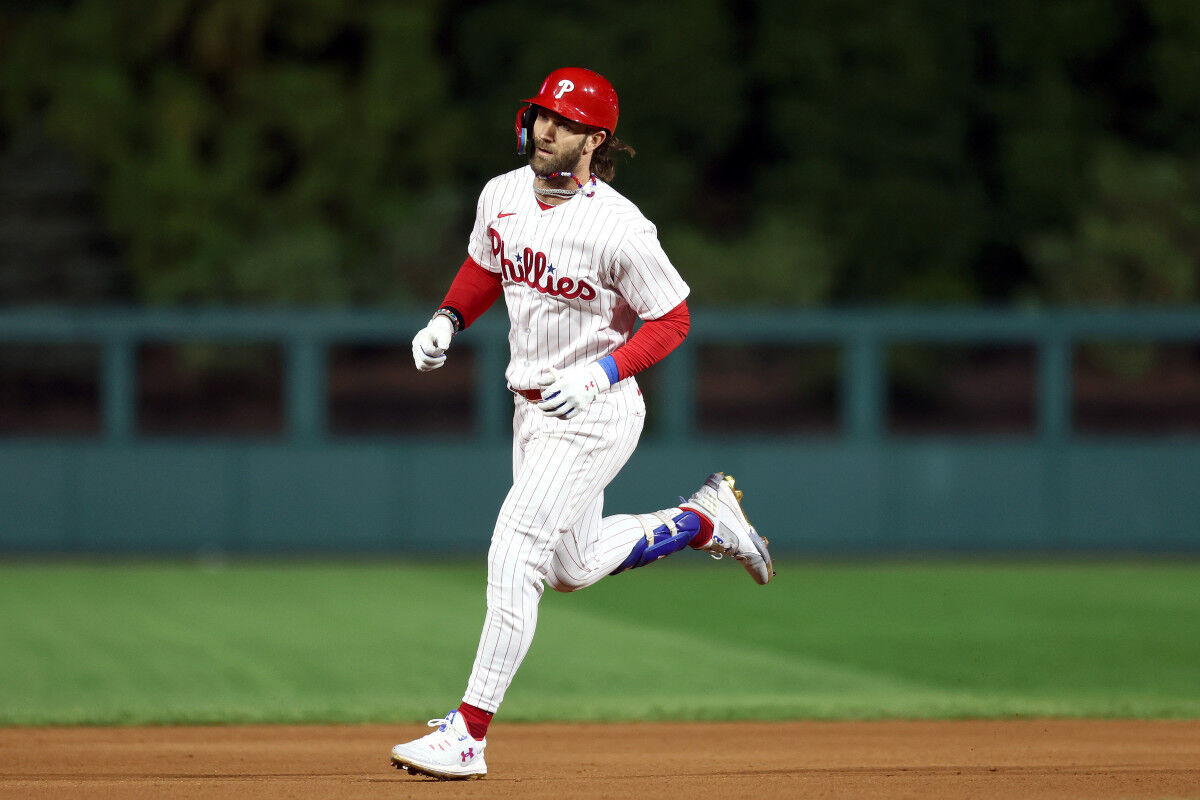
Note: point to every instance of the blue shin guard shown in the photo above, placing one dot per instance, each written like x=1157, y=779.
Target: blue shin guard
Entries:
x=671, y=536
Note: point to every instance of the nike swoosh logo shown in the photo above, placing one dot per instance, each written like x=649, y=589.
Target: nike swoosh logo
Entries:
x=502, y=216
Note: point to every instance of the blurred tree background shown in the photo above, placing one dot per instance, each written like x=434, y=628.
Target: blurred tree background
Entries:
x=794, y=153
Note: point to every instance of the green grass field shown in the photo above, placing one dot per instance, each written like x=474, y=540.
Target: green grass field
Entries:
x=689, y=639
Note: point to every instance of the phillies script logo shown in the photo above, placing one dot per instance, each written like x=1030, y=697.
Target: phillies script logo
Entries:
x=532, y=269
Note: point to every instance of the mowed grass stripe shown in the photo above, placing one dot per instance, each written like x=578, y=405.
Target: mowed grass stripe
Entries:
x=1051, y=627
x=178, y=642
x=909, y=640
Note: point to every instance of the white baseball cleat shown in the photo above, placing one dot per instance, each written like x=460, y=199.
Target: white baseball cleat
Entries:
x=733, y=535
x=449, y=753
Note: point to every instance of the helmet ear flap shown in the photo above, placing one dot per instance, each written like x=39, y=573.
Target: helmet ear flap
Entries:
x=525, y=119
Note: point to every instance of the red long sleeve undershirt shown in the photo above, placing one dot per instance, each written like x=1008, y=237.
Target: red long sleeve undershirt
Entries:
x=472, y=292
x=475, y=289
x=652, y=341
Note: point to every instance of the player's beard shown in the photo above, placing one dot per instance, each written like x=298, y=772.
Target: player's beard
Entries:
x=564, y=161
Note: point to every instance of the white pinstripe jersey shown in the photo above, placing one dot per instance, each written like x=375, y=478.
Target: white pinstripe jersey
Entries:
x=575, y=277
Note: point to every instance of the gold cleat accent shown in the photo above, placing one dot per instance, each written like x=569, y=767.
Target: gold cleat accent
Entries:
x=737, y=493
x=440, y=776
x=729, y=479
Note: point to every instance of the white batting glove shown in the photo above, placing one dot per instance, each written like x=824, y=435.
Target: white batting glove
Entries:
x=431, y=342
x=567, y=392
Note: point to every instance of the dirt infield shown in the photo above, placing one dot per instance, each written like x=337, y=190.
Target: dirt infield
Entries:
x=977, y=759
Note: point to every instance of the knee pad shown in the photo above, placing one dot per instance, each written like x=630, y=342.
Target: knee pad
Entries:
x=672, y=535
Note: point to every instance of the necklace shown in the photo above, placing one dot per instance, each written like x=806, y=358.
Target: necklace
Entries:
x=566, y=192
x=555, y=192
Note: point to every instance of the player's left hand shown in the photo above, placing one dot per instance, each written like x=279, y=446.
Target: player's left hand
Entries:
x=568, y=391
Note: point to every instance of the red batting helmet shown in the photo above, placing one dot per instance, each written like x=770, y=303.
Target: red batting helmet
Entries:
x=577, y=94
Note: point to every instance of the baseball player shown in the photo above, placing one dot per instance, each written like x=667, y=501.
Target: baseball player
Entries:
x=578, y=265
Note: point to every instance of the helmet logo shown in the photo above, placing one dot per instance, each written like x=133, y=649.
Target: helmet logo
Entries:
x=564, y=86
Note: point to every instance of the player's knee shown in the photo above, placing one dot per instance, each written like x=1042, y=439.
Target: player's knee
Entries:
x=560, y=579
x=562, y=583
x=509, y=560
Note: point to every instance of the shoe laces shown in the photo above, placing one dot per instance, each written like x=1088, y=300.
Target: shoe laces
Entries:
x=444, y=725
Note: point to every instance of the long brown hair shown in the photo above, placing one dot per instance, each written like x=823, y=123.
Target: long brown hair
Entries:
x=602, y=157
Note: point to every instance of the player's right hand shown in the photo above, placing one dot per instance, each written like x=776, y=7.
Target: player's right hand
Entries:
x=431, y=342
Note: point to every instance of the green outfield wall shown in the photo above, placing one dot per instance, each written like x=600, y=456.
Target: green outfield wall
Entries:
x=859, y=488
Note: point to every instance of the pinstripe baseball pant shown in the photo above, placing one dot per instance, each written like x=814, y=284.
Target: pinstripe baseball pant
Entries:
x=550, y=527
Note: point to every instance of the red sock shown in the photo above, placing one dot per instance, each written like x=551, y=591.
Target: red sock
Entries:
x=704, y=535
x=476, y=718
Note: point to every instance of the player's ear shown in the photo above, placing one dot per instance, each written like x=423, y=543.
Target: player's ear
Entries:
x=594, y=140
